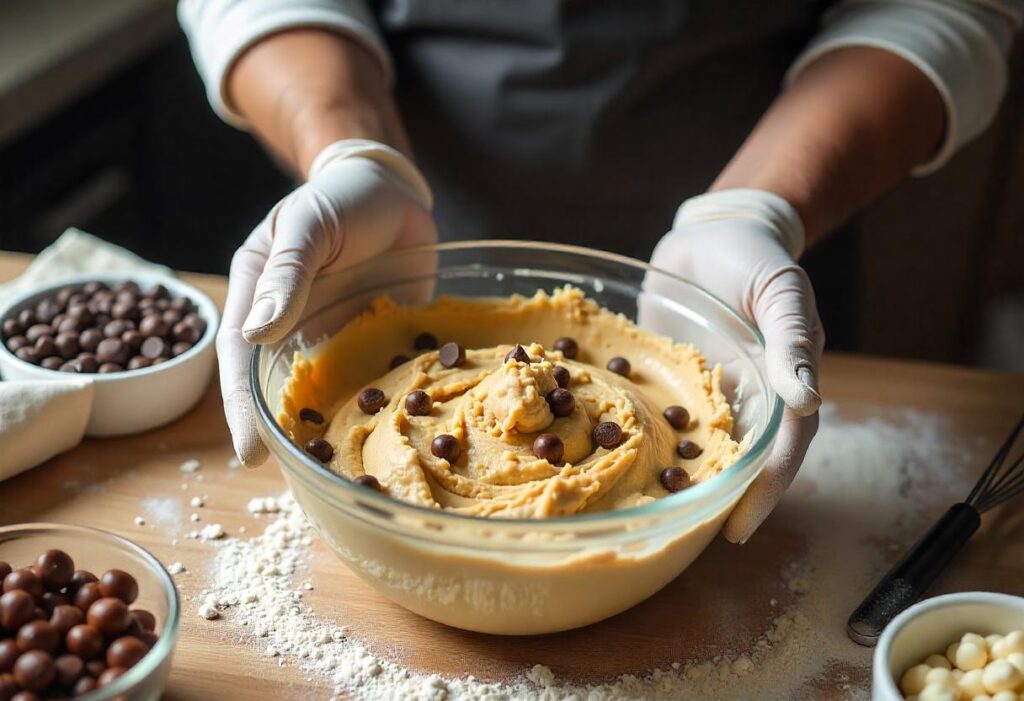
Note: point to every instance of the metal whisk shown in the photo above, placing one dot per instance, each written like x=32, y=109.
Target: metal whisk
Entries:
x=907, y=580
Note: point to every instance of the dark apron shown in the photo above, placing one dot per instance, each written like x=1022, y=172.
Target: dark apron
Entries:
x=583, y=121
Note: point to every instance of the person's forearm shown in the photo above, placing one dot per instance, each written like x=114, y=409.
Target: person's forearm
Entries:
x=303, y=89
x=847, y=129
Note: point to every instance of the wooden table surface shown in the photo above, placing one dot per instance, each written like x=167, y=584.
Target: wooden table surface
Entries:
x=102, y=483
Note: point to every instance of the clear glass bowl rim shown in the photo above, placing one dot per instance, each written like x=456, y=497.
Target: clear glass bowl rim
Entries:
x=721, y=482
x=168, y=636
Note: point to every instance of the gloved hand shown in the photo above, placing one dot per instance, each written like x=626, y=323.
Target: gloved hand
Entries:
x=742, y=246
x=361, y=199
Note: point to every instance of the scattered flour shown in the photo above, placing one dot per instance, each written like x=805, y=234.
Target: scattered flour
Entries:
x=190, y=466
x=836, y=503
x=176, y=568
x=197, y=502
x=139, y=521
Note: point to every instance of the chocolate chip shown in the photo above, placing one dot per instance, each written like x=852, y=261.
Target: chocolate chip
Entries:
x=418, y=403
x=182, y=305
x=89, y=339
x=446, y=447
x=153, y=325
x=398, y=360
x=126, y=652
x=67, y=344
x=371, y=400
x=425, y=341
x=16, y=342
x=320, y=449
x=26, y=580
x=185, y=332
x=87, y=595
x=197, y=322
x=688, y=450
x=548, y=446
x=84, y=640
x=133, y=339
x=106, y=368
x=146, y=620
x=8, y=654
x=368, y=481
x=154, y=347
x=46, y=310
x=179, y=348
x=171, y=316
x=66, y=617
x=119, y=585
x=17, y=608
x=55, y=568
x=38, y=635
x=109, y=676
x=561, y=375
x=11, y=327
x=96, y=667
x=108, y=615
x=9, y=688
x=452, y=355
x=87, y=362
x=674, y=479
x=92, y=287
x=52, y=363
x=78, y=579
x=37, y=331
x=561, y=402
x=607, y=434
x=137, y=362
x=84, y=686
x=26, y=317
x=52, y=599
x=34, y=670
x=69, y=668
x=568, y=346
x=5, y=569
x=311, y=415
x=518, y=354
x=677, y=417
x=620, y=366
x=28, y=354
x=112, y=350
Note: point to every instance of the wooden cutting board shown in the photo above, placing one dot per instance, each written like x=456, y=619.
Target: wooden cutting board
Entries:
x=102, y=483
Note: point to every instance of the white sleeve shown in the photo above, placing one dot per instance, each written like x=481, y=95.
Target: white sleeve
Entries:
x=960, y=45
x=219, y=31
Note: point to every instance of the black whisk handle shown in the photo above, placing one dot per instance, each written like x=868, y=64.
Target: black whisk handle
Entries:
x=908, y=579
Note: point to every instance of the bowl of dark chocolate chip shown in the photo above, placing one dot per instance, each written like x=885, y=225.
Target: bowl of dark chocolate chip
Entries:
x=83, y=614
x=145, y=342
x=539, y=438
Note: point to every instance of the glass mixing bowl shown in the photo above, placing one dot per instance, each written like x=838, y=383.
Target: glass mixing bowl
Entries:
x=522, y=576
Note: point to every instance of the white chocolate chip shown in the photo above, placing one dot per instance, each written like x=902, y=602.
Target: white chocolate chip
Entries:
x=209, y=612
x=1006, y=696
x=913, y=680
x=939, y=675
x=190, y=466
x=970, y=655
x=1017, y=660
x=991, y=640
x=937, y=692
x=972, y=684
x=1001, y=676
x=974, y=638
x=951, y=652
x=938, y=661
x=1009, y=644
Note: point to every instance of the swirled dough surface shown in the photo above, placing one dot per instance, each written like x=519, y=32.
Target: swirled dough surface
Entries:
x=495, y=407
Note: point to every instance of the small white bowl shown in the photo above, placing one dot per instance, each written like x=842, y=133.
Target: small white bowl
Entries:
x=133, y=400
x=929, y=626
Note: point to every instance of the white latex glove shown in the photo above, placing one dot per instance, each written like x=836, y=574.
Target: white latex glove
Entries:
x=361, y=199
x=742, y=246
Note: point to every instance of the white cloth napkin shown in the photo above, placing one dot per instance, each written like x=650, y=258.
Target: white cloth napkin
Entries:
x=41, y=418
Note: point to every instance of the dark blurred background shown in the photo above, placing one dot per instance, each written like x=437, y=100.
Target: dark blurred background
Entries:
x=104, y=125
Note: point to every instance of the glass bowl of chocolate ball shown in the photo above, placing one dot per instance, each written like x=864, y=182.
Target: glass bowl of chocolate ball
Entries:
x=515, y=437
x=143, y=341
x=83, y=614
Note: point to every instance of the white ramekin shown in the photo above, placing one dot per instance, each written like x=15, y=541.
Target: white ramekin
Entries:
x=133, y=400
x=929, y=626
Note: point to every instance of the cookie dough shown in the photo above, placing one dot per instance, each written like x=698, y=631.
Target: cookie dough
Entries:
x=495, y=406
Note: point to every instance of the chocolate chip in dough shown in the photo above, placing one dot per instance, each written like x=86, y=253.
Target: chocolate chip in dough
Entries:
x=674, y=479
x=518, y=354
x=371, y=400
x=607, y=434
x=418, y=403
x=688, y=450
x=677, y=417
x=620, y=366
x=398, y=360
x=34, y=670
x=568, y=346
x=561, y=402
x=446, y=447
x=561, y=375
x=548, y=446
x=320, y=449
x=425, y=341
x=452, y=355
x=368, y=481
x=311, y=416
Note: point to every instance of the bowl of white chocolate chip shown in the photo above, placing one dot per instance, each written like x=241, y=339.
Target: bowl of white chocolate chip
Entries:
x=513, y=437
x=956, y=647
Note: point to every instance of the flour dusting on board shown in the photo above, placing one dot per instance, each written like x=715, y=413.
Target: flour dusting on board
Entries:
x=836, y=503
